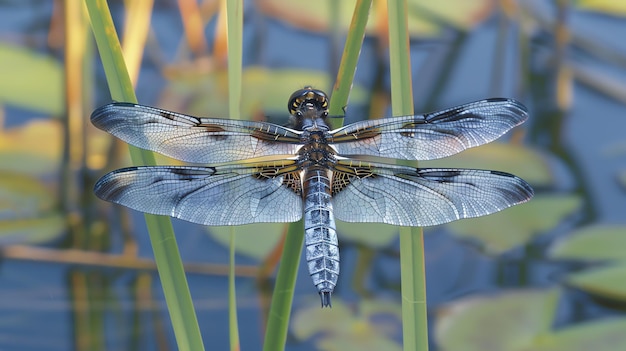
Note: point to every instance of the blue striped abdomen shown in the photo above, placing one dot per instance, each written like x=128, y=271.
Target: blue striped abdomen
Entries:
x=322, y=251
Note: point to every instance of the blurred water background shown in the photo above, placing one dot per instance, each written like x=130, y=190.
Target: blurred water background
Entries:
x=76, y=273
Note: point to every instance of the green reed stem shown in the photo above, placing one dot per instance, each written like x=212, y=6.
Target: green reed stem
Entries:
x=413, y=274
x=349, y=59
x=234, y=20
x=164, y=246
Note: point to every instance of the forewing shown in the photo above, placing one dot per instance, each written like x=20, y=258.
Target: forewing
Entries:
x=225, y=195
x=406, y=196
x=434, y=135
x=194, y=139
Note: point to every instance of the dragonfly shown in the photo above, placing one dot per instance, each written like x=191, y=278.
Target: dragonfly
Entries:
x=253, y=172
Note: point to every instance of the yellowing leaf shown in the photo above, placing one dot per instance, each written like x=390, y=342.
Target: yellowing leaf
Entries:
x=609, y=7
x=34, y=148
x=426, y=18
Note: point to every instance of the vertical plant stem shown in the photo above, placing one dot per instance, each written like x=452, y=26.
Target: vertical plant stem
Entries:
x=414, y=314
x=349, y=59
x=135, y=35
x=76, y=31
x=87, y=335
x=167, y=257
x=234, y=20
x=233, y=325
x=282, y=297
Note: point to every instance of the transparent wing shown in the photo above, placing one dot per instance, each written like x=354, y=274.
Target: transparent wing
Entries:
x=408, y=196
x=430, y=136
x=228, y=195
x=194, y=139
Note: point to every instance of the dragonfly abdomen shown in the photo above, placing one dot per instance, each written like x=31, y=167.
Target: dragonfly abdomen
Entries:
x=322, y=250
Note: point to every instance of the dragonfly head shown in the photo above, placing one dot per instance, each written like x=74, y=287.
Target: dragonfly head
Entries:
x=308, y=108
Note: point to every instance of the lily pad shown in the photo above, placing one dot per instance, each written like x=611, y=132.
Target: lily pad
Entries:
x=253, y=240
x=32, y=230
x=521, y=321
x=601, y=335
x=593, y=243
x=374, y=235
x=507, y=321
x=23, y=196
x=608, y=281
x=27, y=213
x=34, y=148
x=516, y=226
x=520, y=160
x=30, y=80
x=372, y=325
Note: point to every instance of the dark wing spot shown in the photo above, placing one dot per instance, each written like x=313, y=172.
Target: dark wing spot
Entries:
x=213, y=128
x=503, y=174
x=165, y=114
x=190, y=173
x=126, y=104
x=440, y=176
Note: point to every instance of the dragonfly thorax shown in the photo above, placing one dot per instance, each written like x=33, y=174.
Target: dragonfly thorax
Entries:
x=315, y=150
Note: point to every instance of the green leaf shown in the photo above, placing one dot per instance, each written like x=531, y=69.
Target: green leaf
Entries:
x=372, y=325
x=34, y=148
x=32, y=230
x=507, y=321
x=374, y=235
x=521, y=321
x=593, y=243
x=516, y=226
x=602, y=335
x=608, y=282
x=520, y=160
x=30, y=80
x=22, y=196
x=253, y=240
x=160, y=230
